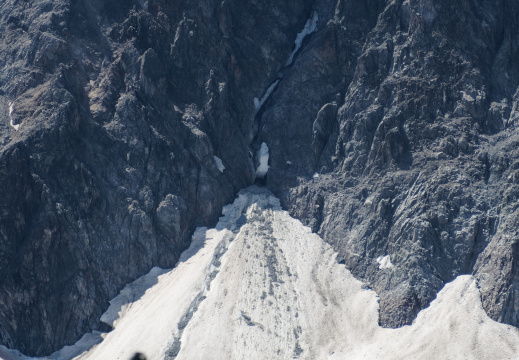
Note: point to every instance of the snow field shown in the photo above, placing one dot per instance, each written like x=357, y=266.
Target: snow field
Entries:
x=262, y=286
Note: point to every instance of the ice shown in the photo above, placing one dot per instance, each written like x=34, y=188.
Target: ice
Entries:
x=315, y=175
x=263, y=157
x=219, y=163
x=384, y=262
x=310, y=27
x=263, y=286
x=259, y=103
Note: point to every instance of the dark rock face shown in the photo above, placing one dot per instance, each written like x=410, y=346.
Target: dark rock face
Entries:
x=119, y=108
x=418, y=162
x=112, y=113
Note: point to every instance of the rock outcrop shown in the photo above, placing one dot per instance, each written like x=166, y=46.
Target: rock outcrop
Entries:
x=414, y=156
x=112, y=113
x=390, y=126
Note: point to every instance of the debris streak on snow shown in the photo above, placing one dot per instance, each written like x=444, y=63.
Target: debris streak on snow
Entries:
x=262, y=286
x=384, y=262
x=263, y=158
x=219, y=163
x=259, y=103
x=310, y=27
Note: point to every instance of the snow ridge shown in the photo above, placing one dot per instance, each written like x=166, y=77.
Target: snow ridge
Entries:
x=175, y=346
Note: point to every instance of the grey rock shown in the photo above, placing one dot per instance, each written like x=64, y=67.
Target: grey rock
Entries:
x=392, y=132
x=121, y=107
x=417, y=165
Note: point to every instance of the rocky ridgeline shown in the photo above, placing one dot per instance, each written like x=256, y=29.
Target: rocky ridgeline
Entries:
x=126, y=124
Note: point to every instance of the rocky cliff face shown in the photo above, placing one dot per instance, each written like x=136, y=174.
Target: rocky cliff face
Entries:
x=391, y=128
x=418, y=157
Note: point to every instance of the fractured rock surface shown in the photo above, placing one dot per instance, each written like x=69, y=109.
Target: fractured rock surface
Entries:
x=390, y=126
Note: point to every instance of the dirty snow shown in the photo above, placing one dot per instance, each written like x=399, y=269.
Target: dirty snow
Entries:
x=263, y=157
x=310, y=27
x=219, y=163
x=384, y=262
x=263, y=286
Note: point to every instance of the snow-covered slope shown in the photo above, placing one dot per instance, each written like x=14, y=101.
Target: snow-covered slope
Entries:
x=262, y=286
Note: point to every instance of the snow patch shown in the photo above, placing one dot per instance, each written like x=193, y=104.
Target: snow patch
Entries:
x=11, y=109
x=310, y=27
x=369, y=201
x=259, y=103
x=219, y=163
x=289, y=162
x=384, y=262
x=467, y=97
x=263, y=157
